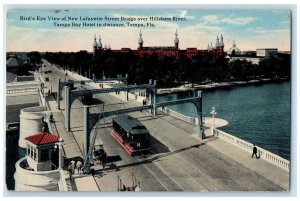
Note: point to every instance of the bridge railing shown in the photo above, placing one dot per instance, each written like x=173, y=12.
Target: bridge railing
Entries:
x=24, y=90
x=179, y=115
x=62, y=183
x=262, y=153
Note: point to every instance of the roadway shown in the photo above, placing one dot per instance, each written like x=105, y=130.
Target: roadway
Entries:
x=179, y=160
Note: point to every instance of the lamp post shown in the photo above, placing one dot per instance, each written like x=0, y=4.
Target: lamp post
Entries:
x=213, y=113
x=66, y=74
x=60, y=157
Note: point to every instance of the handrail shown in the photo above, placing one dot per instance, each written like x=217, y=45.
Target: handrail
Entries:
x=179, y=115
x=63, y=181
x=23, y=90
x=263, y=154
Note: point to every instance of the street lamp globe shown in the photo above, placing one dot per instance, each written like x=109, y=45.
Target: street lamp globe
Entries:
x=213, y=113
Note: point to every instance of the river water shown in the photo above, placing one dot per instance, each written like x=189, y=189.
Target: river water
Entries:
x=259, y=114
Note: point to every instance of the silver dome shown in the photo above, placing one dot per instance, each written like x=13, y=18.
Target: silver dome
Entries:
x=234, y=49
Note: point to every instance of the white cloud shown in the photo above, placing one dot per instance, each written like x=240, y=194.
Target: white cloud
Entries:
x=226, y=20
x=238, y=20
x=207, y=28
x=183, y=13
x=260, y=30
x=210, y=18
x=265, y=39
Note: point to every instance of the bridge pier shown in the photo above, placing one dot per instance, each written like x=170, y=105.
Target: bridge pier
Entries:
x=198, y=105
x=154, y=103
x=68, y=108
x=86, y=138
x=58, y=94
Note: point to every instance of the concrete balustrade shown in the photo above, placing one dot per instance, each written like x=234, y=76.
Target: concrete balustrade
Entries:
x=62, y=184
x=179, y=115
x=263, y=154
x=30, y=122
x=28, y=180
x=76, y=76
x=24, y=90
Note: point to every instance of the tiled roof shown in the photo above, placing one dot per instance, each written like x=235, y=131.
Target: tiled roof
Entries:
x=12, y=62
x=42, y=138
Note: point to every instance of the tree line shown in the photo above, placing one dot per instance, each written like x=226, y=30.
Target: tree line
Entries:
x=170, y=71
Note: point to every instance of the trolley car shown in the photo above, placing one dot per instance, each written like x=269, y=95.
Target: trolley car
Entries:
x=132, y=135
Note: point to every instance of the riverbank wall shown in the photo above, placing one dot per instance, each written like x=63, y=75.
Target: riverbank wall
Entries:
x=220, y=85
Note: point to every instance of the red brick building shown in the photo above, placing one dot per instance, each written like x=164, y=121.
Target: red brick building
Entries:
x=164, y=51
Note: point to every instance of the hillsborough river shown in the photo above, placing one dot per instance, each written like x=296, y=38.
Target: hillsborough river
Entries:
x=259, y=114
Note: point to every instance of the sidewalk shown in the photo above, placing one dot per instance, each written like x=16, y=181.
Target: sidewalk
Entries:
x=71, y=150
x=260, y=166
x=70, y=146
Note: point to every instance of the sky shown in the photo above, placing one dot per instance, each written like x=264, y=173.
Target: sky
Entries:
x=250, y=29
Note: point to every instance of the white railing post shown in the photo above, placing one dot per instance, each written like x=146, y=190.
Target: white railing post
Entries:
x=264, y=154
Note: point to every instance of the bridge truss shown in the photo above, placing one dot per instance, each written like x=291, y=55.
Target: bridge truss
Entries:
x=90, y=120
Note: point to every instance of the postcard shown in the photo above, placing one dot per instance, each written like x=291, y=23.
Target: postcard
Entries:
x=108, y=100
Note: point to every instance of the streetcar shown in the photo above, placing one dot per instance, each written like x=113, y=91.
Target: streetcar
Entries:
x=131, y=134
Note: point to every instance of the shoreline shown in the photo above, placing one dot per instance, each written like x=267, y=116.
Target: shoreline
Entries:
x=220, y=85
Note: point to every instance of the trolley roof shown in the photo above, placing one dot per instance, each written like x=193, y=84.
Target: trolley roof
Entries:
x=131, y=124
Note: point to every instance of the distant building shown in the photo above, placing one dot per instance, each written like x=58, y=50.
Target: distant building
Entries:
x=14, y=65
x=234, y=53
x=253, y=60
x=266, y=52
x=249, y=53
x=234, y=50
x=18, y=65
x=284, y=52
x=163, y=51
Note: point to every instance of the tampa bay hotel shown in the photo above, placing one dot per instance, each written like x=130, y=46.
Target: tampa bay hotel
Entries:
x=215, y=49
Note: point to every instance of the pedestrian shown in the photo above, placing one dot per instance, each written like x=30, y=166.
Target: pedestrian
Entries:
x=104, y=159
x=51, y=117
x=254, y=151
x=70, y=170
x=93, y=172
x=73, y=166
x=79, y=166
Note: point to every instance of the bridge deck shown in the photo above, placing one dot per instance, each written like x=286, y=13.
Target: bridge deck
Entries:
x=179, y=160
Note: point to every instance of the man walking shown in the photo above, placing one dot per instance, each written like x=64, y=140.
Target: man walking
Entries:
x=254, y=151
x=79, y=166
x=70, y=170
